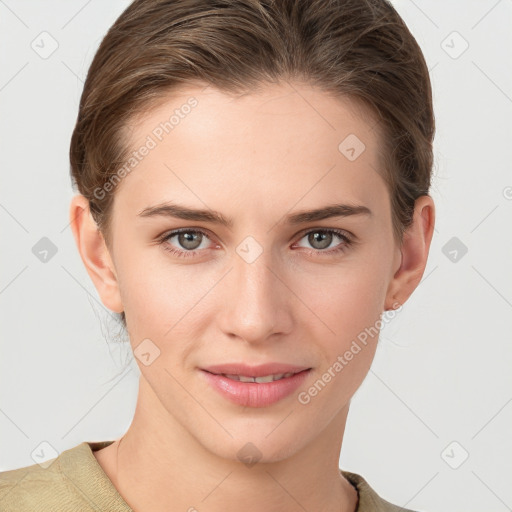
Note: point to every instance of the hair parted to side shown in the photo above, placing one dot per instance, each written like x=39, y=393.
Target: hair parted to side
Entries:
x=356, y=49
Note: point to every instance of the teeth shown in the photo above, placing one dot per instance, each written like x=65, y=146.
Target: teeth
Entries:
x=261, y=380
x=267, y=378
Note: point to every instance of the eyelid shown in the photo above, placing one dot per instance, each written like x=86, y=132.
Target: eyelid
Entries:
x=338, y=231
x=173, y=232
x=348, y=240
x=168, y=234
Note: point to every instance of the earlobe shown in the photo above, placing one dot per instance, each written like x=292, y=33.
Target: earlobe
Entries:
x=414, y=254
x=94, y=253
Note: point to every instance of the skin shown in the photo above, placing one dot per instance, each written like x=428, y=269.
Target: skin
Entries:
x=254, y=158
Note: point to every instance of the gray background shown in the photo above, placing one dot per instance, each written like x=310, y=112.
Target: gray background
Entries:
x=440, y=386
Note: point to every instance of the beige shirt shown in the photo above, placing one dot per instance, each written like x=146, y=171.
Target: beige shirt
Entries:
x=75, y=482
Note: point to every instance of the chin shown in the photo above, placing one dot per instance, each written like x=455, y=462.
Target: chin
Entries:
x=261, y=443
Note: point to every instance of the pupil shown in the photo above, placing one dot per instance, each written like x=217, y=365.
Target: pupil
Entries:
x=187, y=240
x=323, y=238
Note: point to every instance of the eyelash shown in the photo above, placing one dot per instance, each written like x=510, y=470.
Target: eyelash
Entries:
x=347, y=242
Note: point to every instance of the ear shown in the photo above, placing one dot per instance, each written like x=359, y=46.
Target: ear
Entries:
x=94, y=253
x=414, y=253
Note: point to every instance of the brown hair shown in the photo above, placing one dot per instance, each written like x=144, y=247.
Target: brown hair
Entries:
x=358, y=49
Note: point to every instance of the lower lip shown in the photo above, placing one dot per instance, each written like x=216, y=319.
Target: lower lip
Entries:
x=254, y=394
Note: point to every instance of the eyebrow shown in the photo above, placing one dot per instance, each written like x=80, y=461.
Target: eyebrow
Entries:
x=170, y=209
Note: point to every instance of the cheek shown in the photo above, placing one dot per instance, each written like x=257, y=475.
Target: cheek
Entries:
x=346, y=325
x=162, y=300
x=336, y=302
x=345, y=298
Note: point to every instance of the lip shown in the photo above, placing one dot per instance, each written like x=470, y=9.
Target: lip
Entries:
x=254, y=371
x=254, y=394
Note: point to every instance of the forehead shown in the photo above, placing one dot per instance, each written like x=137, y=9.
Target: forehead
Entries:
x=281, y=143
x=270, y=106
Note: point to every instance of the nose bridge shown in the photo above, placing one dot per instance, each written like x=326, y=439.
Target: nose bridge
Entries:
x=253, y=277
x=255, y=306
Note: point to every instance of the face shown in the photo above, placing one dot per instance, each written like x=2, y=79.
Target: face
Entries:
x=266, y=286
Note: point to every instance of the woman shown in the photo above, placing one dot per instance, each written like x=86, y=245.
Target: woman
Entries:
x=253, y=183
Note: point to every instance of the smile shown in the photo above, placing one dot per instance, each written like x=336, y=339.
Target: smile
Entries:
x=260, y=391
x=261, y=380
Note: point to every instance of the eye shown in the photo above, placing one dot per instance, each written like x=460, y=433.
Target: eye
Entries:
x=321, y=239
x=189, y=242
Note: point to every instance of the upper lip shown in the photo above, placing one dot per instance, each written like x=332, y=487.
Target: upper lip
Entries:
x=254, y=371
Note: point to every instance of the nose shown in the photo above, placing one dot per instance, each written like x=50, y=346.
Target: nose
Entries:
x=255, y=301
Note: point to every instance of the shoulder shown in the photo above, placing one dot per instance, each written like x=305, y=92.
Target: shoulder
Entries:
x=31, y=487
x=73, y=478
x=369, y=500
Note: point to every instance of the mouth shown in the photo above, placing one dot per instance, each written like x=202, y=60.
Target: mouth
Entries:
x=267, y=370
x=259, y=380
x=259, y=386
